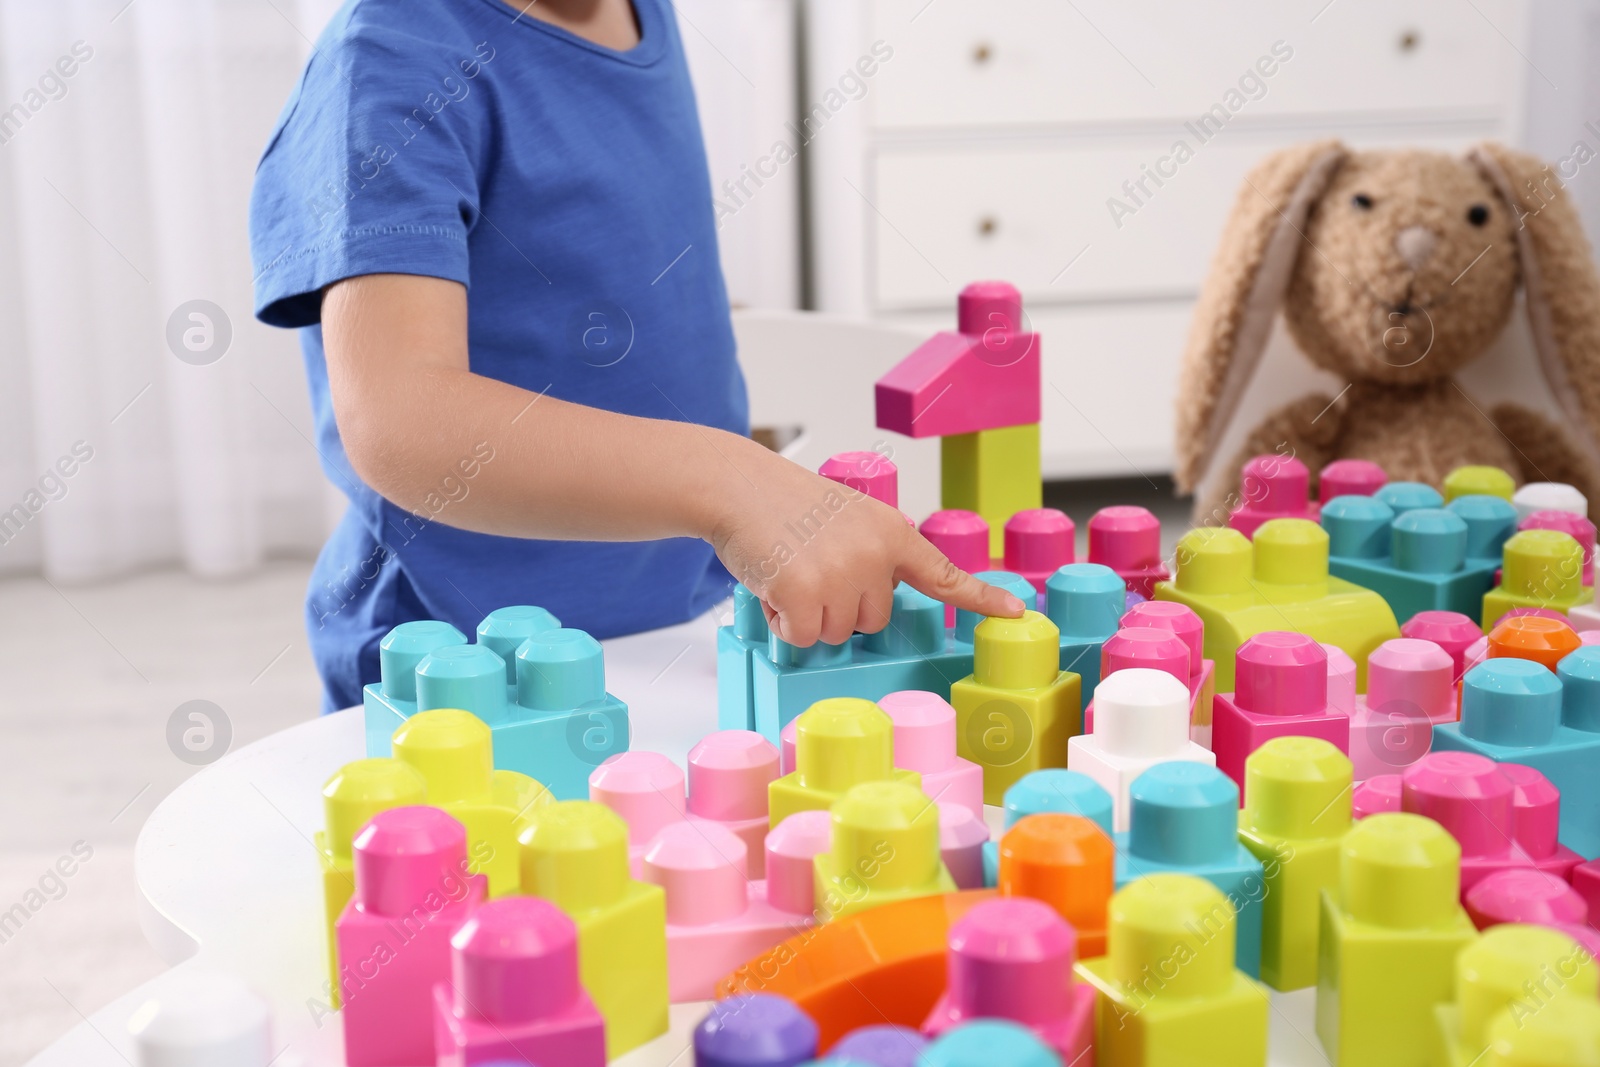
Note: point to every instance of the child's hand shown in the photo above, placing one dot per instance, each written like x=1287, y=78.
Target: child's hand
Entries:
x=825, y=558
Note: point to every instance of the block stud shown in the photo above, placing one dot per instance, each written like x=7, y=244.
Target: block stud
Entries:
x=1020, y=653
x=1578, y=527
x=1015, y=584
x=1349, y=477
x=963, y=536
x=1298, y=788
x=754, y=1030
x=1125, y=538
x=453, y=751
x=729, y=772
x=1011, y=958
x=1514, y=702
x=1062, y=791
x=1429, y=541
x=1141, y=712
x=404, y=647
x=1453, y=632
x=1038, y=541
x=1291, y=552
x=463, y=676
x=842, y=741
x=358, y=791
x=575, y=854
x=1549, y=496
x=404, y=856
x=1579, y=672
x=1408, y=496
x=1213, y=562
x=1085, y=600
x=703, y=868
x=1281, y=673
x=1358, y=527
x=1068, y=862
x=1524, y=895
x=503, y=630
x=1400, y=871
x=1489, y=520
x=1152, y=917
x=1479, y=481
x=870, y=473
x=1183, y=815
x=560, y=669
x=1144, y=647
x=515, y=961
x=791, y=847
x=1546, y=565
x=645, y=788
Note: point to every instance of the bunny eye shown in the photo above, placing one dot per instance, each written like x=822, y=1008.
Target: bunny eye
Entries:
x=1477, y=214
x=1362, y=201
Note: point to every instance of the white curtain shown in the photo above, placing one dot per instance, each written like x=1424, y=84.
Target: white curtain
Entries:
x=129, y=134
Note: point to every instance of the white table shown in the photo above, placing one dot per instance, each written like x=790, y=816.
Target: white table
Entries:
x=228, y=877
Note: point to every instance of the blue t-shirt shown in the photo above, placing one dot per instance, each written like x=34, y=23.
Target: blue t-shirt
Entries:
x=566, y=185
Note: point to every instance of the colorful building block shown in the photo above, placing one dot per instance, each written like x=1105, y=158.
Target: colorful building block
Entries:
x=962, y=836
x=1017, y=709
x=1585, y=879
x=546, y=704
x=1478, y=481
x=1549, y=496
x=575, y=854
x=355, y=793
x=646, y=789
x=1543, y=569
x=1144, y=648
x=1038, y=542
x=1410, y=689
x=878, y=1046
x=1297, y=807
x=1521, y=968
x=1349, y=477
x=1524, y=895
x=791, y=849
x=1516, y=711
x=884, y=848
x=1402, y=497
x=1341, y=679
x=754, y=1030
x=1428, y=559
x=992, y=472
x=1282, y=690
x=514, y=993
x=1578, y=527
x=1168, y=993
x=1375, y=796
x=872, y=474
x=984, y=1042
x=1128, y=540
x=1181, y=620
x=1278, y=581
x=1142, y=719
x=412, y=894
x=746, y=636
x=839, y=743
x=1524, y=634
x=1272, y=487
x=1086, y=602
x=925, y=742
x=1015, y=584
x=1069, y=863
x=1012, y=959
x=963, y=536
x=1454, y=632
x=729, y=774
x=1388, y=941
x=1184, y=819
x=1051, y=790
x=1566, y=1032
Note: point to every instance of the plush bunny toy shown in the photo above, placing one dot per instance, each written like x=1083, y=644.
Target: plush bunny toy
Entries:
x=1394, y=270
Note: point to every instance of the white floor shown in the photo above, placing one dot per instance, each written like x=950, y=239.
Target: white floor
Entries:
x=88, y=680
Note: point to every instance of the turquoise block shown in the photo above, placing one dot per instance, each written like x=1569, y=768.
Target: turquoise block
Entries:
x=1407, y=496
x=503, y=630
x=988, y=1043
x=1049, y=790
x=735, y=645
x=1011, y=582
x=1184, y=819
x=1086, y=601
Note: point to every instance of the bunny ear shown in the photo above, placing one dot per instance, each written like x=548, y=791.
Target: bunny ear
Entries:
x=1249, y=274
x=1559, y=283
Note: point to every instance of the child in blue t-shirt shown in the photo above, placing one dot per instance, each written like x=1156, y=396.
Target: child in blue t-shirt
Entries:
x=492, y=221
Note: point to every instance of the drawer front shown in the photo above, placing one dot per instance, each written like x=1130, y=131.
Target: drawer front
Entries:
x=1042, y=217
x=1017, y=62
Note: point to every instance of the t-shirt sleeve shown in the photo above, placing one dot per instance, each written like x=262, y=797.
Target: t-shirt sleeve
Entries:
x=370, y=171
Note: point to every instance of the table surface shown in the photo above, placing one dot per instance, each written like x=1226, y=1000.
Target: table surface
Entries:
x=228, y=878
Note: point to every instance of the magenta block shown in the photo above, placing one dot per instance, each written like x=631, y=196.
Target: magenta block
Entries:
x=1181, y=620
x=962, y=836
x=1450, y=630
x=984, y=377
x=1143, y=646
x=1586, y=880
x=412, y=893
x=1524, y=895
x=925, y=741
x=729, y=771
x=1281, y=690
x=963, y=536
x=1350, y=477
x=1128, y=540
x=1011, y=958
x=865, y=472
x=1410, y=687
x=1038, y=542
x=514, y=991
x=1375, y=796
x=1272, y=487
x=791, y=846
x=1577, y=526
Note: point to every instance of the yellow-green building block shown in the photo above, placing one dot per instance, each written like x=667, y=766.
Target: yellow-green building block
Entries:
x=1566, y=1033
x=992, y=472
x=1278, y=580
x=884, y=847
x=1167, y=991
x=1543, y=569
x=1016, y=710
x=574, y=853
x=838, y=743
x=1478, y=481
x=1388, y=943
x=1297, y=808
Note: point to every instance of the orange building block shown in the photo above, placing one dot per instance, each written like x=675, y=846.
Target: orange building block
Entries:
x=884, y=965
x=1067, y=862
x=1536, y=637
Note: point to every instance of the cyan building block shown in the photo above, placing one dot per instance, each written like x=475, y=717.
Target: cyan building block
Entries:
x=547, y=710
x=1085, y=601
x=735, y=645
x=1423, y=559
x=1184, y=819
x=1053, y=789
x=1517, y=711
x=1402, y=497
x=1011, y=582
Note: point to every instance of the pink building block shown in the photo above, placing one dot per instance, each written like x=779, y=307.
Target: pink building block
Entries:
x=647, y=789
x=1011, y=958
x=791, y=847
x=1128, y=540
x=1273, y=487
x=1180, y=619
x=717, y=918
x=1524, y=895
x=1410, y=687
x=1038, y=543
x=1376, y=796
x=925, y=741
x=514, y=991
x=1146, y=647
x=963, y=536
x=1586, y=880
x=412, y=893
x=962, y=836
x=1502, y=821
x=786, y=756
x=983, y=377
x=865, y=472
x=1281, y=682
x=729, y=771
x=1341, y=679
x=1350, y=477
x=1450, y=630
x=1577, y=526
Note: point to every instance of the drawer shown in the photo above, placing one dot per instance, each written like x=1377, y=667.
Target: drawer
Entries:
x=990, y=63
x=1024, y=212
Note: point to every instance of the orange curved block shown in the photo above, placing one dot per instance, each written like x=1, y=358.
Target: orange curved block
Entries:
x=884, y=965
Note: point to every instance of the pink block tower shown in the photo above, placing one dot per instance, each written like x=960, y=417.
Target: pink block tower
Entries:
x=1281, y=690
x=729, y=772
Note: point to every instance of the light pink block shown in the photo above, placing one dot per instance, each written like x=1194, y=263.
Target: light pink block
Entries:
x=786, y=756
x=791, y=846
x=1128, y=540
x=1273, y=487
x=1410, y=687
x=962, y=836
x=1038, y=542
x=646, y=788
x=1281, y=690
x=514, y=991
x=925, y=741
x=982, y=378
x=1576, y=526
x=1475, y=654
x=1341, y=679
x=716, y=918
x=1376, y=796
x=1011, y=958
x=1350, y=477
x=866, y=472
x=1589, y=637
x=412, y=893
x=1450, y=630
x=1524, y=895
x=729, y=771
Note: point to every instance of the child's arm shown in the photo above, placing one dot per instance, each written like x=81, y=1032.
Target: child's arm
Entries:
x=409, y=411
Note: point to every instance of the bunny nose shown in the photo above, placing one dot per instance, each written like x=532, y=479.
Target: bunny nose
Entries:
x=1415, y=244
